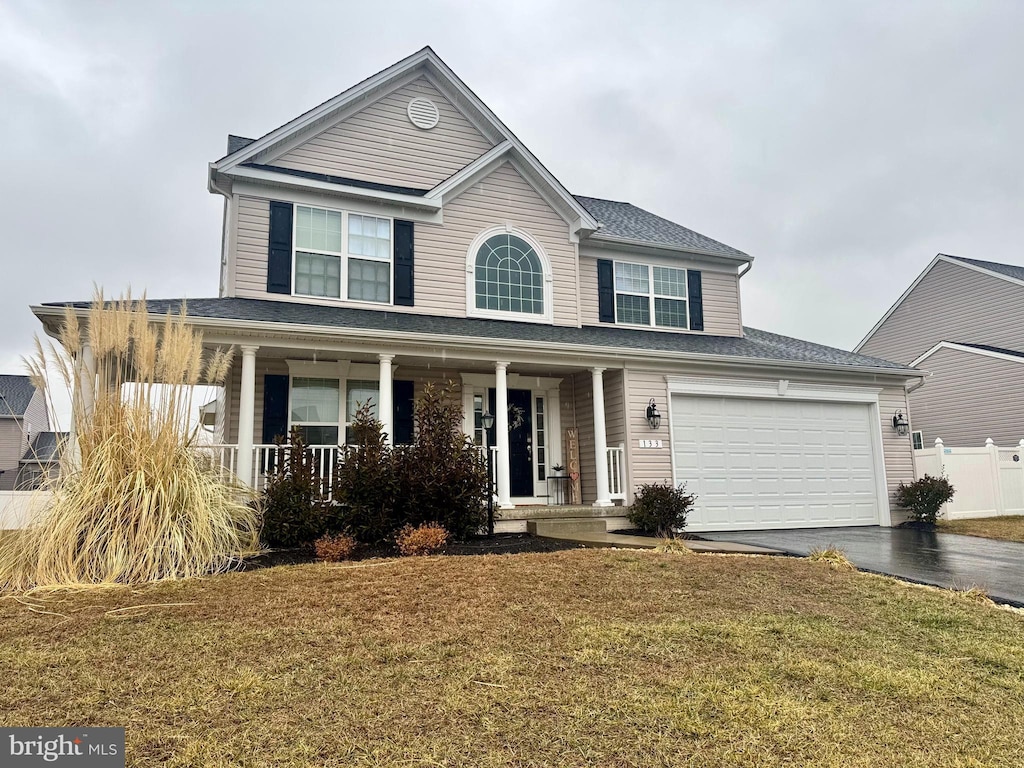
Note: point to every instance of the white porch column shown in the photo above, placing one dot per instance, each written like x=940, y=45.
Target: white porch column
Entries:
x=385, y=409
x=501, y=435
x=600, y=440
x=83, y=399
x=246, y=414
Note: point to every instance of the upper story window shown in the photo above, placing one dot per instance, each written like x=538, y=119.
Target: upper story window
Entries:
x=509, y=276
x=335, y=249
x=646, y=293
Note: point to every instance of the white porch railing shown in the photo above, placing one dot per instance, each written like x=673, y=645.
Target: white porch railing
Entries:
x=616, y=475
x=988, y=481
x=266, y=458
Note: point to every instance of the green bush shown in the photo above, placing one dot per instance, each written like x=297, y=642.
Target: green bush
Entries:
x=295, y=512
x=924, y=498
x=366, y=482
x=440, y=478
x=443, y=476
x=661, y=508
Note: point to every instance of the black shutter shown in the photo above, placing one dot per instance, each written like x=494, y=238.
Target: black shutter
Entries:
x=605, y=291
x=402, y=412
x=279, y=256
x=696, y=300
x=403, y=263
x=275, y=407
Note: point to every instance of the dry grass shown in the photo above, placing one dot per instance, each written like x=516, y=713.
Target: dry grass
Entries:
x=134, y=501
x=577, y=658
x=1006, y=528
x=833, y=557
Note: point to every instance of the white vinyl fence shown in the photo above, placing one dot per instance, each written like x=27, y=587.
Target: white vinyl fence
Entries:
x=988, y=481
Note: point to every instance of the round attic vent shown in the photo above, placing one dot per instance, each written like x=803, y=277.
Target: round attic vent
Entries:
x=423, y=113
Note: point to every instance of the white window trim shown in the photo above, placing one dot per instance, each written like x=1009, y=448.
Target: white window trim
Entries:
x=651, y=296
x=545, y=264
x=344, y=255
x=920, y=434
x=342, y=371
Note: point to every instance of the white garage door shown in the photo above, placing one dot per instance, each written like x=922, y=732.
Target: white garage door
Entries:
x=759, y=464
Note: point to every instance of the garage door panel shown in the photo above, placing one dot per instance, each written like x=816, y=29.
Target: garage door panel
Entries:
x=774, y=463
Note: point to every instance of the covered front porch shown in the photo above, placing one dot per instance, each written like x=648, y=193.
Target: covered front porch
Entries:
x=554, y=440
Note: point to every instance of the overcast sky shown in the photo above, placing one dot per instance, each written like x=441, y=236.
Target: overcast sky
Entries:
x=842, y=144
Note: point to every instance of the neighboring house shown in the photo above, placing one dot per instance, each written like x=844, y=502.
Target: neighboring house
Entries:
x=23, y=415
x=399, y=234
x=41, y=460
x=962, y=321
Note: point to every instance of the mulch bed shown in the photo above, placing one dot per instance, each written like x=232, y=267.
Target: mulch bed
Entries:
x=501, y=544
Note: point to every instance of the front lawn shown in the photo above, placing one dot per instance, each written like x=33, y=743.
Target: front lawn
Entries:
x=1007, y=528
x=574, y=658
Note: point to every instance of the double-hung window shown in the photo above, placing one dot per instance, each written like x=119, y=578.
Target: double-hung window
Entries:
x=335, y=249
x=650, y=295
x=358, y=394
x=315, y=407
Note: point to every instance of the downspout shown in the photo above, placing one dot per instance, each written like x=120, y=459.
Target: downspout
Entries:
x=739, y=297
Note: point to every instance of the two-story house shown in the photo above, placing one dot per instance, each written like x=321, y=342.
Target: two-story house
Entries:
x=400, y=234
x=961, y=321
x=23, y=417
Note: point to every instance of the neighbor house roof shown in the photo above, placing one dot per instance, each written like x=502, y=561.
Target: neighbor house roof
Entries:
x=626, y=221
x=755, y=345
x=990, y=348
x=45, y=448
x=15, y=394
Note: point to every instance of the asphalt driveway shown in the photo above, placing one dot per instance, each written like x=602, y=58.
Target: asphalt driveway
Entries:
x=943, y=559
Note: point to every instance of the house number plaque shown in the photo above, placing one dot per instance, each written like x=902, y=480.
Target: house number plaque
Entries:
x=650, y=443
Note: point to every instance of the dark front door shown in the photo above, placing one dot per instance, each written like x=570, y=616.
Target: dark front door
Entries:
x=520, y=440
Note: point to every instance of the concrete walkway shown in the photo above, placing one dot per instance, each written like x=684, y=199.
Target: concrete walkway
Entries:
x=942, y=559
x=624, y=541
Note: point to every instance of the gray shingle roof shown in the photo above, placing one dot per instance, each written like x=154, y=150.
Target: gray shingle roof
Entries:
x=236, y=143
x=755, y=344
x=45, y=448
x=625, y=220
x=1010, y=270
x=15, y=394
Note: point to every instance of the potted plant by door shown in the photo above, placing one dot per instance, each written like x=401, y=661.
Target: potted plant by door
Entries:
x=557, y=481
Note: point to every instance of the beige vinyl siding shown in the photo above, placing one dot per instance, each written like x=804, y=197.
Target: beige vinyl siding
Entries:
x=720, y=293
x=503, y=197
x=36, y=418
x=583, y=397
x=251, y=244
x=951, y=303
x=12, y=441
x=897, y=452
x=969, y=398
x=647, y=465
x=380, y=144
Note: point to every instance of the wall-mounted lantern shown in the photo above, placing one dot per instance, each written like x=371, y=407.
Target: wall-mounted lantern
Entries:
x=900, y=424
x=653, y=417
x=487, y=420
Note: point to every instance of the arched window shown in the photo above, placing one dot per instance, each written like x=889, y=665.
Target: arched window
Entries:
x=509, y=276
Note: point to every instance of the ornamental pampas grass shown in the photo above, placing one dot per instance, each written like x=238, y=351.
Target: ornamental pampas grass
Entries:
x=134, y=500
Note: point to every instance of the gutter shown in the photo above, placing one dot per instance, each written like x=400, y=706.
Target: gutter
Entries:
x=555, y=349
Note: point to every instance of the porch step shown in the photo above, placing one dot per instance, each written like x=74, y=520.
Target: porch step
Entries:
x=566, y=525
x=560, y=512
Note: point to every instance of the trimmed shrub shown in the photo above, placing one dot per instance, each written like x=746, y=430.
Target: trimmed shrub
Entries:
x=661, y=508
x=366, y=481
x=425, y=539
x=443, y=476
x=925, y=497
x=295, y=512
x=672, y=546
x=333, y=548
